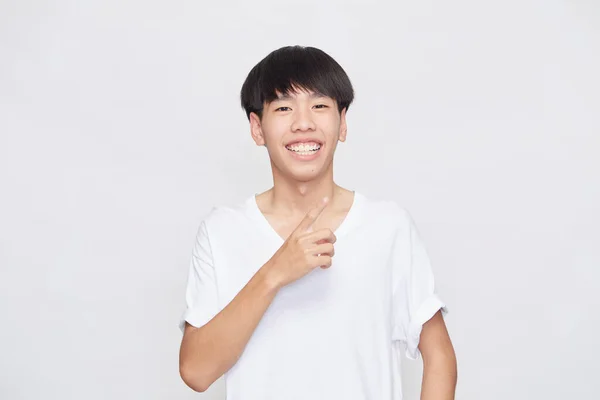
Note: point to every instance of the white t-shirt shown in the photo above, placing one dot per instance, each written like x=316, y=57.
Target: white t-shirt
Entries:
x=336, y=333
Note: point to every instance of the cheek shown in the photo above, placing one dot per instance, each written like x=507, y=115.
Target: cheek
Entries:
x=273, y=132
x=331, y=128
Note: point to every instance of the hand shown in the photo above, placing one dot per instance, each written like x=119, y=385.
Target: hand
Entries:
x=303, y=251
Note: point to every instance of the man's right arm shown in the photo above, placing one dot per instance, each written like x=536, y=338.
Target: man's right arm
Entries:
x=208, y=352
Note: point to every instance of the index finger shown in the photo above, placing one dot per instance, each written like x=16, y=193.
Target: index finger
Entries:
x=312, y=215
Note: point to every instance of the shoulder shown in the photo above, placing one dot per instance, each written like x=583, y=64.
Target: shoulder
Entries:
x=226, y=217
x=391, y=211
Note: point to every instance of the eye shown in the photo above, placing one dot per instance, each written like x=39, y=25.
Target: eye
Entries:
x=321, y=106
x=282, y=108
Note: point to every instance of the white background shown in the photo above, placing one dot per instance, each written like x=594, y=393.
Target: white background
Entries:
x=121, y=127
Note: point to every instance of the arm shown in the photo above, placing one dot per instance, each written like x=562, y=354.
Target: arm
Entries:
x=208, y=352
x=439, y=361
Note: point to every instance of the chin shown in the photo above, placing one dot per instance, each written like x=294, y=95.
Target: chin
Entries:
x=306, y=174
x=302, y=171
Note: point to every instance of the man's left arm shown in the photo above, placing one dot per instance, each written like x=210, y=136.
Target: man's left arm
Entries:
x=439, y=361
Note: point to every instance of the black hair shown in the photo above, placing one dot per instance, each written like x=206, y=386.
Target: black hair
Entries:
x=293, y=68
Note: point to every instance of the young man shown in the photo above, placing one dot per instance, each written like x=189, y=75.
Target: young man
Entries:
x=310, y=290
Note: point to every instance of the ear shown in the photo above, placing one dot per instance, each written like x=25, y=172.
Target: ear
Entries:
x=256, y=130
x=343, y=126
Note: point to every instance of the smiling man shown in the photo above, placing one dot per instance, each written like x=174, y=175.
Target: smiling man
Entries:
x=310, y=290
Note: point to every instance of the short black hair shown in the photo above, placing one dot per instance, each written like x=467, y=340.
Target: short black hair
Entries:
x=290, y=68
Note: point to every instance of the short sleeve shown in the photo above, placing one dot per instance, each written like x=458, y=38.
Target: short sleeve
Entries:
x=414, y=297
x=201, y=291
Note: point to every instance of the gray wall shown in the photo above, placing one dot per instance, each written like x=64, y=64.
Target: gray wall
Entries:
x=120, y=128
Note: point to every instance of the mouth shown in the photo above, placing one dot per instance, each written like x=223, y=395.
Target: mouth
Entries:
x=305, y=148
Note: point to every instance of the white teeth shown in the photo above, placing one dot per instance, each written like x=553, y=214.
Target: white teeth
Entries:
x=305, y=153
x=304, y=149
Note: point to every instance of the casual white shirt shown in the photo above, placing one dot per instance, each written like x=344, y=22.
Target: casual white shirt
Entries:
x=336, y=333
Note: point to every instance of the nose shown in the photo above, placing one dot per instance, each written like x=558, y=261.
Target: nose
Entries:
x=302, y=121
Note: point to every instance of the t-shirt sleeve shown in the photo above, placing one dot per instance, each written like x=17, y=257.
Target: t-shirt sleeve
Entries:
x=415, y=300
x=201, y=291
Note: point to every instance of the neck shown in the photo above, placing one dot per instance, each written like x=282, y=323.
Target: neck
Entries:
x=290, y=196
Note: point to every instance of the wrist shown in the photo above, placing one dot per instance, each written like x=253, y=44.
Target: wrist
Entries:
x=269, y=277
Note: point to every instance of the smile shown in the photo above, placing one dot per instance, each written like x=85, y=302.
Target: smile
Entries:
x=304, y=148
x=304, y=151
